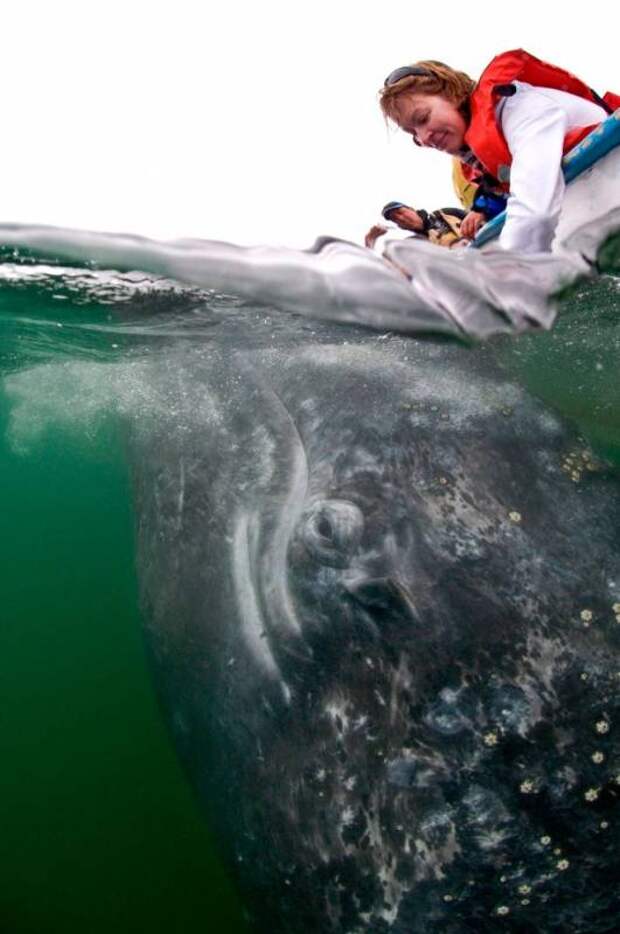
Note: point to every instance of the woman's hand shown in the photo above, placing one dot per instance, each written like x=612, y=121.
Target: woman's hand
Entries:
x=471, y=224
x=376, y=231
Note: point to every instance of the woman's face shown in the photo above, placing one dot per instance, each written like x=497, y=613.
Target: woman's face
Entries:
x=432, y=121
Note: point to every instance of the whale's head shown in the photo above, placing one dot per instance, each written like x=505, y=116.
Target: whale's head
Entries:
x=383, y=590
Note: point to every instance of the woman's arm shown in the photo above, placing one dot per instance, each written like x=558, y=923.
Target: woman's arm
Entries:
x=534, y=127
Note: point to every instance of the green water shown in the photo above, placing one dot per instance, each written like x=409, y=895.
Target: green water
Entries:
x=99, y=831
x=575, y=366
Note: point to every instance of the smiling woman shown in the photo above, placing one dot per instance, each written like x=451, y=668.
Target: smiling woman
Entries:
x=430, y=101
x=433, y=121
x=510, y=129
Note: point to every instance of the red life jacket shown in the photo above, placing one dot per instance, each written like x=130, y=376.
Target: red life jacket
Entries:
x=484, y=135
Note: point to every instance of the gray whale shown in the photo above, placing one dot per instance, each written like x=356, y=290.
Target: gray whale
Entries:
x=381, y=585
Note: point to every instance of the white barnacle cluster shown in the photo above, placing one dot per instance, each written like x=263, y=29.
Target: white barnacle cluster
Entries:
x=524, y=889
x=502, y=910
x=562, y=865
x=592, y=794
x=586, y=617
x=602, y=726
x=575, y=463
x=616, y=611
x=527, y=786
x=515, y=516
x=491, y=738
x=545, y=840
x=598, y=757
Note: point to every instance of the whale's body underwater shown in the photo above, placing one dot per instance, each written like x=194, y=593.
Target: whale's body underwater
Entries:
x=381, y=586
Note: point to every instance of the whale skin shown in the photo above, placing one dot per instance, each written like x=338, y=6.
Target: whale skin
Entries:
x=381, y=588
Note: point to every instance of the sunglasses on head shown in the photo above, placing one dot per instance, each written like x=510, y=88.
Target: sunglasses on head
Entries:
x=405, y=71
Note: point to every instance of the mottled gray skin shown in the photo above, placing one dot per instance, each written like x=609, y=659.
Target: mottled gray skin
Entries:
x=381, y=585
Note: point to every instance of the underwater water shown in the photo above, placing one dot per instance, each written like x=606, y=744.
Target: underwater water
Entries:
x=100, y=831
x=99, y=826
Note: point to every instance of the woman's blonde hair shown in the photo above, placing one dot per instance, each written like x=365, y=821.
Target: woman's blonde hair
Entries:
x=455, y=86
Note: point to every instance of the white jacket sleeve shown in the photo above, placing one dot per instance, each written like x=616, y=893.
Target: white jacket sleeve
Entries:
x=534, y=127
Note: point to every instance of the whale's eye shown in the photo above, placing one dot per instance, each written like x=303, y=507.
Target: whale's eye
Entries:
x=332, y=531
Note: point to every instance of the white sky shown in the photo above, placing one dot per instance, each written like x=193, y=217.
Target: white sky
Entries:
x=255, y=122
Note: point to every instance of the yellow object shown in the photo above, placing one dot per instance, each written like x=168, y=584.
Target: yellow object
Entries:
x=465, y=190
x=450, y=231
